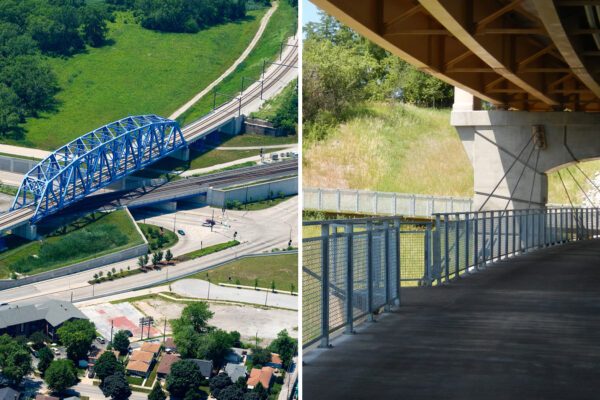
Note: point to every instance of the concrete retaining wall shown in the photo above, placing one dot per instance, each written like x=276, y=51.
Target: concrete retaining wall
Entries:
x=118, y=256
x=219, y=197
x=16, y=165
x=260, y=127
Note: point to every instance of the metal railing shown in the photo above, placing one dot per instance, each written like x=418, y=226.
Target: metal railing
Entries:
x=353, y=268
x=382, y=203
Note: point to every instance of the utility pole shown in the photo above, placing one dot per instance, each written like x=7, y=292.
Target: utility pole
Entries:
x=165, y=331
x=208, y=297
x=112, y=325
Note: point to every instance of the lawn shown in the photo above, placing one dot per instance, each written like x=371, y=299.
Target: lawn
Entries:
x=280, y=26
x=139, y=72
x=283, y=269
x=169, y=237
x=260, y=204
x=270, y=107
x=252, y=139
x=119, y=218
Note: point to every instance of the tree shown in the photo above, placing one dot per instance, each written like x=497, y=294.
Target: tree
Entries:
x=261, y=391
x=232, y=392
x=39, y=339
x=185, y=375
x=121, y=342
x=93, y=18
x=260, y=356
x=219, y=382
x=285, y=346
x=194, y=394
x=116, y=387
x=252, y=395
x=155, y=259
x=157, y=393
x=292, y=287
x=255, y=283
x=141, y=262
x=197, y=314
x=214, y=345
x=107, y=365
x=186, y=339
x=46, y=356
x=77, y=335
x=146, y=258
x=241, y=383
x=168, y=256
x=60, y=375
x=11, y=110
x=15, y=359
x=160, y=256
x=273, y=286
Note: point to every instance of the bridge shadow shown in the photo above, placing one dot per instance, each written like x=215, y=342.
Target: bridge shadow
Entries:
x=525, y=328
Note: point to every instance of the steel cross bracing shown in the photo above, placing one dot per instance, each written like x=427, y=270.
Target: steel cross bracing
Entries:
x=96, y=160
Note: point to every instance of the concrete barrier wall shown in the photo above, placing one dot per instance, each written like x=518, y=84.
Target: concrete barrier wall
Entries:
x=260, y=127
x=16, y=165
x=219, y=197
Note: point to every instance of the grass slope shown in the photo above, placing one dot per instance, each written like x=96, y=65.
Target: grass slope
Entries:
x=403, y=148
x=118, y=218
x=280, y=26
x=142, y=72
x=283, y=269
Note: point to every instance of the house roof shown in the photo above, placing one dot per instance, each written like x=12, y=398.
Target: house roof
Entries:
x=205, y=366
x=45, y=397
x=263, y=376
x=138, y=366
x=8, y=393
x=140, y=355
x=275, y=359
x=165, y=364
x=151, y=347
x=98, y=354
x=235, y=371
x=55, y=312
x=72, y=398
x=170, y=343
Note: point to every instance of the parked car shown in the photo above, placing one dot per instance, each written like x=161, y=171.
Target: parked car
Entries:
x=36, y=354
x=130, y=351
x=56, y=351
x=207, y=224
x=3, y=304
x=127, y=331
x=100, y=340
x=91, y=372
x=182, y=233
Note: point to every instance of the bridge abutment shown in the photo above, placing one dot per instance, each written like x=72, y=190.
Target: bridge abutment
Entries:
x=26, y=231
x=183, y=154
x=509, y=157
x=166, y=206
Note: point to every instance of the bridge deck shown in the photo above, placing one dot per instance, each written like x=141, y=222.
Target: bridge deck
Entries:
x=526, y=328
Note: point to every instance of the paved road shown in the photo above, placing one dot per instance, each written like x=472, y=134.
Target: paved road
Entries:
x=258, y=231
x=526, y=328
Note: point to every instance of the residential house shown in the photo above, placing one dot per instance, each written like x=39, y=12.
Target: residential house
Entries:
x=151, y=348
x=46, y=317
x=8, y=393
x=46, y=397
x=170, y=345
x=236, y=355
x=205, y=367
x=164, y=368
x=140, y=355
x=264, y=376
x=139, y=368
x=235, y=371
x=93, y=358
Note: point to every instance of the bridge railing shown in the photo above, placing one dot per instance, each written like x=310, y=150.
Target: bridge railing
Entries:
x=353, y=268
x=467, y=241
x=382, y=203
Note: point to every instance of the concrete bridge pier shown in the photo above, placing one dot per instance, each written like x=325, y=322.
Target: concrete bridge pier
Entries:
x=183, y=154
x=513, y=151
x=26, y=231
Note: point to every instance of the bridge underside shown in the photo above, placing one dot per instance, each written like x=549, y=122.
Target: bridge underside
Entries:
x=526, y=328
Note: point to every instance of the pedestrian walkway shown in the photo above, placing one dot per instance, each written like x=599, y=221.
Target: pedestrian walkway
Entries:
x=526, y=328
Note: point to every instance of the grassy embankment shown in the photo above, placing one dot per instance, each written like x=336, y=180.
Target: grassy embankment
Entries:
x=104, y=84
x=406, y=149
x=20, y=249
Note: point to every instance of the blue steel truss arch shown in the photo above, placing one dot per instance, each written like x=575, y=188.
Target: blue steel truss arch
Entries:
x=96, y=160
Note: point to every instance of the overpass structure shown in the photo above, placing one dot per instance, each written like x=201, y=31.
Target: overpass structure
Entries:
x=96, y=159
x=535, y=63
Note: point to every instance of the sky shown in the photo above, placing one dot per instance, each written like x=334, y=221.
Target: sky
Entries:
x=309, y=12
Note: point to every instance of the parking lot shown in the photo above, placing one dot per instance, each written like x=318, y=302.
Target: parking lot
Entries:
x=121, y=316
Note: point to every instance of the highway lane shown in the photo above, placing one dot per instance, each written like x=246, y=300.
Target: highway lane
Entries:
x=259, y=230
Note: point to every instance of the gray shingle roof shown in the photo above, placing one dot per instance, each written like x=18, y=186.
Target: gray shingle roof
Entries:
x=54, y=311
x=8, y=393
x=235, y=371
x=205, y=366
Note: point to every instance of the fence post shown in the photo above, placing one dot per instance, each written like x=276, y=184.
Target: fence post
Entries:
x=338, y=201
x=349, y=229
x=370, y=271
x=500, y=236
x=483, y=244
x=437, y=250
x=476, y=240
x=319, y=199
x=427, y=253
x=457, y=244
x=386, y=235
x=324, y=286
x=395, y=200
x=467, y=237
x=514, y=232
x=357, y=196
x=375, y=203
x=446, y=249
x=492, y=236
x=413, y=205
x=506, y=219
x=398, y=262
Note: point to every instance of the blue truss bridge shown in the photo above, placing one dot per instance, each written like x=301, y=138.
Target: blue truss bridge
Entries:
x=111, y=152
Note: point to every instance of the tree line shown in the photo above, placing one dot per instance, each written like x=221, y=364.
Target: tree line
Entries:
x=31, y=30
x=342, y=69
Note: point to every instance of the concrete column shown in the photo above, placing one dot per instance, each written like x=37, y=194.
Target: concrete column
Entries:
x=465, y=101
x=26, y=231
x=495, y=140
x=183, y=154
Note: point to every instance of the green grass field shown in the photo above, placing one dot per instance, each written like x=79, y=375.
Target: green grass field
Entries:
x=251, y=139
x=270, y=107
x=280, y=26
x=141, y=72
x=23, y=249
x=283, y=269
x=170, y=236
x=417, y=151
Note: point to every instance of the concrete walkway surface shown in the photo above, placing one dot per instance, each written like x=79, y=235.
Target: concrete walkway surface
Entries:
x=525, y=328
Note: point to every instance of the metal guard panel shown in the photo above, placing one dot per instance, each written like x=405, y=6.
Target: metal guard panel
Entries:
x=95, y=160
